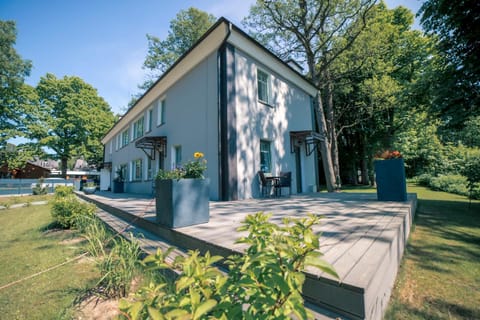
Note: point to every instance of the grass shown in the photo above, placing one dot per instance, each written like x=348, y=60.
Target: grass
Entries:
x=439, y=277
x=8, y=201
x=27, y=246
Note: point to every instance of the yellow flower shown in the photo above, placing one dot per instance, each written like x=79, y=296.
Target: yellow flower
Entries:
x=198, y=155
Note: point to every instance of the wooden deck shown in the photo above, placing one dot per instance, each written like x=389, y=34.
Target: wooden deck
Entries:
x=362, y=238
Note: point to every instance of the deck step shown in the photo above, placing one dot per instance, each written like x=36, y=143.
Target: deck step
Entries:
x=366, y=255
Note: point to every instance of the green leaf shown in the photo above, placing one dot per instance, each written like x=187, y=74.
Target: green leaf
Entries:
x=204, y=308
x=155, y=314
x=315, y=261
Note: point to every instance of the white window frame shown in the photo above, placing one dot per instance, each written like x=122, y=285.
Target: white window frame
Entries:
x=266, y=83
x=138, y=128
x=149, y=117
x=176, y=156
x=148, y=168
x=161, y=107
x=269, y=156
x=137, y=170
x=124, y=142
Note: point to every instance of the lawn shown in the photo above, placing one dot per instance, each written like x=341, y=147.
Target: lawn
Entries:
x=440, y=273
x=28, y=245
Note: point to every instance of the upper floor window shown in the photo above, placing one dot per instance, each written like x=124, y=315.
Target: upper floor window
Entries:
x=149, y=120
x=263, y=79
x=125, y=138
x=138, y=128
x=161, y=112
x=265, y=156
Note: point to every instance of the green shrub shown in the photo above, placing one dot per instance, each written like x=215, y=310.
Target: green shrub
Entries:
x=264, y=283
x=39, y=189
x=424, y=179
x=67, y=210
x=450, y=183
x=63, y=191
x=472, y=171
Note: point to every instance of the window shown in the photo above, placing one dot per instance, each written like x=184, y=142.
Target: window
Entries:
x=149, y=120
x=161, y=112
x=138, y=128
x=265, y=156
x=149, y=168
x=263, y=86
x=125, y=138
x=177, y=157
x=137, y=170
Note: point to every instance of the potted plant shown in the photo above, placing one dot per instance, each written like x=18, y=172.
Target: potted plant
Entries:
x=390, y=176
x=118, y=182
x=89, y=187
x=182, y=195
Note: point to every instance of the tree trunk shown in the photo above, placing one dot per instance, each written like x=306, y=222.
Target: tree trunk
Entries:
x=332, y=132
x=64, y=161
x=325, y=148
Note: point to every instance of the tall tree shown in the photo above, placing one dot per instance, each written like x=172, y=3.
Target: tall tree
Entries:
x=456, y=79
x=314, y=33
x=70, y=118
x=13, y=70
x=375, y=86
x=187, y=27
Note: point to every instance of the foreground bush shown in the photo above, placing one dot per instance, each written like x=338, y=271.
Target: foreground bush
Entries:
x=67, y=210
x=264, y=283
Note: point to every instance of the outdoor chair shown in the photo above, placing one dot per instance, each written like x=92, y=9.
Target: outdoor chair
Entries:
x=265, y=185
x=285, y=181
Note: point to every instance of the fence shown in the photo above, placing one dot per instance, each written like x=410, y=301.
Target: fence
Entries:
x=24, y=186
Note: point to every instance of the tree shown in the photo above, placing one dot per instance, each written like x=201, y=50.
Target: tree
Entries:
x=187, y=27
x=70, y=118
x=456, y=78
x=376, y=94
x=13, y=70
x=314, y=33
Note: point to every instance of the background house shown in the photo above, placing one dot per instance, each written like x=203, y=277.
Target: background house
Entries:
x=229, y=98
x=30, y=171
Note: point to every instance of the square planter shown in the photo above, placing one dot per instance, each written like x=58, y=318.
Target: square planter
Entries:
x=117, y=186
x=182, y=203
x=390, y=179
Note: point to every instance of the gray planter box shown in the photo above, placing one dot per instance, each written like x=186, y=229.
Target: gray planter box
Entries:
x=89, y=190
x=182, y=203
x=391, y=181
x=117, y=186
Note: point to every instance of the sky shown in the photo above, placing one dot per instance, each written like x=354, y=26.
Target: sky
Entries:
x=104, y=41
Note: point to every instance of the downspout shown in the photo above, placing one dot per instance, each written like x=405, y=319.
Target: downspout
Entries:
x=220, y=70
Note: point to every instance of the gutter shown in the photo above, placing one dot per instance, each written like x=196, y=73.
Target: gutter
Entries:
x=220, y=93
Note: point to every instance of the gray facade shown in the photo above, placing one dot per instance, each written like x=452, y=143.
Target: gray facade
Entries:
x=228, y=98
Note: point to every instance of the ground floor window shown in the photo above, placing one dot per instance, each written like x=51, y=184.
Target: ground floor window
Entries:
x=149, y=169
x=177, y=157
x=265, y=156
x=137, y=170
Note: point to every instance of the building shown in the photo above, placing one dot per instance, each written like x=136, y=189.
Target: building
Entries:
x=231, y=99
x=29, y=171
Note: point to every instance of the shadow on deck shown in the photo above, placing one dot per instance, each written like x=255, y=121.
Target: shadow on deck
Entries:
x=361, y=237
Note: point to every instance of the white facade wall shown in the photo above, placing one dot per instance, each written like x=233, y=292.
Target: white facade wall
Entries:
x=289, y=110
x=191, y=121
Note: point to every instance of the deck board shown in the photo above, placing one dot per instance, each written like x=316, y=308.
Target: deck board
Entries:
x=361, y=237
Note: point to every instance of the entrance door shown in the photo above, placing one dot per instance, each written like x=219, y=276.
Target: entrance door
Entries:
x=298, y=169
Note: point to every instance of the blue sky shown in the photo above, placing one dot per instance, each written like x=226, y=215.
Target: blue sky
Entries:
x=104, y=41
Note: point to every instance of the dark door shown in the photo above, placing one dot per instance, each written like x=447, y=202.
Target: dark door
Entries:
x=298, y=169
